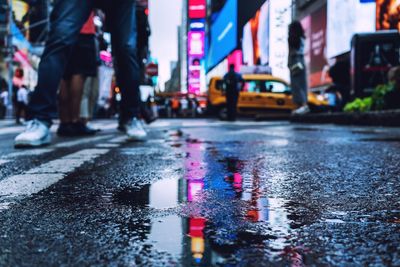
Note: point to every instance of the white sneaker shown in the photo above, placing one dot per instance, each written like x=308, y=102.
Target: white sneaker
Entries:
x=135, y=130
x=302, y=110
x=36, y=134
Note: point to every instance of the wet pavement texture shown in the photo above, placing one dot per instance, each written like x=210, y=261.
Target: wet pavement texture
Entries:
x=205, y=193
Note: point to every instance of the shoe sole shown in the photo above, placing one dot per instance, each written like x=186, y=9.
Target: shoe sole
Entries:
x=28, y=144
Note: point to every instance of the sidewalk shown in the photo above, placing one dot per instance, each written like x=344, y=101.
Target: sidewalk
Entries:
x=389, y=118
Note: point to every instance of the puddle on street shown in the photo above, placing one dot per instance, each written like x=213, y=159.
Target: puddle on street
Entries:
x=219, y=208
x=164, y=194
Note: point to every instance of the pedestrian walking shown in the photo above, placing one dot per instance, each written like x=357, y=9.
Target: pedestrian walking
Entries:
x=68, y=17
x=82, y=64
x=184, y=103
x=233, y=83
x=297, y=67
x=175, y=107
x=21, y=103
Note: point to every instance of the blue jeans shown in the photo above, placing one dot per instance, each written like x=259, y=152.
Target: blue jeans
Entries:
x=66, y=20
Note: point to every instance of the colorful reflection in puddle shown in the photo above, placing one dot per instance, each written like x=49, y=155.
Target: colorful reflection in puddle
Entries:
x=164, y=194
x=224, y=211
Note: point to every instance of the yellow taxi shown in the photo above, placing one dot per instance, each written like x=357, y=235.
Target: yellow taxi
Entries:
x=261, y=94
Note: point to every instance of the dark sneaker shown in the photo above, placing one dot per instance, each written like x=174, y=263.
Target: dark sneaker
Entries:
x=65, y=130
x=80, y=129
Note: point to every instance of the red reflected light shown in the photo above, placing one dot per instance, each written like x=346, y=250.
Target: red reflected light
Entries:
x=196, y=227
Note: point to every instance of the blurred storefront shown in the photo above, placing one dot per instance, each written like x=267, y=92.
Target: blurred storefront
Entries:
x=349, y=39
x=254, y=34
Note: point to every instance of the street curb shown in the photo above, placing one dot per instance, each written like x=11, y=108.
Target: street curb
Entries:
x=390, y=118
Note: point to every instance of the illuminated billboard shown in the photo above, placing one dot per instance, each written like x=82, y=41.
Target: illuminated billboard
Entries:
x=196, y=52
x=197, y=25
x=197, y=9
x=196, y=43
x=280, y=18
x=265, y=37
x=223, y=34
x=315, y=47
x=356, y=17
x=387, y=15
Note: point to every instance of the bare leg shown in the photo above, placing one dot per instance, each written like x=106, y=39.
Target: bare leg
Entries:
x=76, y=90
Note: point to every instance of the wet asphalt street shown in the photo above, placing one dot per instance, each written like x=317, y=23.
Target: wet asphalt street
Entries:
x=204, y=193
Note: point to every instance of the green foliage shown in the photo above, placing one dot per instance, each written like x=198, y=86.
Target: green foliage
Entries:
x=359, y=105
x=374, y=102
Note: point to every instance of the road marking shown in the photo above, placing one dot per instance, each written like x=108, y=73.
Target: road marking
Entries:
x=82, y=141
x=30, y=152
x=37, y=179
x=107, y=145
x=118, y=140
x=104, y=125
x=18, y=129
x=4, y=206
x=159, y=124
x=3, y=161
x=11, y=130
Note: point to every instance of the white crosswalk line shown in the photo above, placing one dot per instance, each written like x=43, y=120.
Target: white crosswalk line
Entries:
x=82, y=141
x=118, y=140
x=3, y=161
x=104, y=125
x=47, y=174
x=107, y=145
x=18, y=129
x=11, y=130
x=159, y=124
x=31, y=152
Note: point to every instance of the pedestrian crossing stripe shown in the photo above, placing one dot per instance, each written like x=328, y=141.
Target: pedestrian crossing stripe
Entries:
x=39, y=178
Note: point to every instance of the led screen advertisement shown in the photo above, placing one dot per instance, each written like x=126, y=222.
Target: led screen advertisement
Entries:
x=197, y=9
x=255, y=41
x=265, y=37
x=196, y=52
x=223, y=34
x=197, y=25
x=316, y=48
x=196, y=74
x=387, y=15
x=355, y=17
x=196, y=43
x=280, y=18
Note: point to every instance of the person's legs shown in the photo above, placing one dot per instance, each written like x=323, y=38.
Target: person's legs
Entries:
x=84, y=112
x=67, y=18
x=63, y=102
x=121, y=18
x=231, y=107
x=18, y=113
x=24, y=111
x=76, y=91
